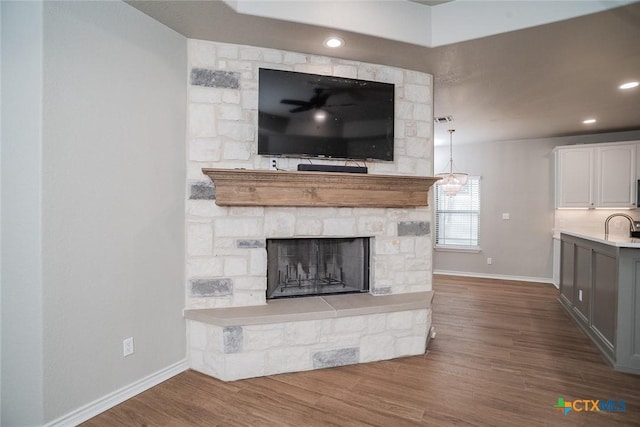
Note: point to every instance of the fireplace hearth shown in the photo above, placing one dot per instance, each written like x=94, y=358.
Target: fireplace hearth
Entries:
x=317, y=266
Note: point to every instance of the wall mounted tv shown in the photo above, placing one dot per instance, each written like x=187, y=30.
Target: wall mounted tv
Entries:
x=307, y=115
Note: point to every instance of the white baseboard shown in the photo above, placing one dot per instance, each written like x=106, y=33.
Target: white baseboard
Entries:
x=98, y=406
x=496, y=276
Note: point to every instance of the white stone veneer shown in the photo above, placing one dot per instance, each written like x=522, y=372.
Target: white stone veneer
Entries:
x=226, y=255
x=300, y=346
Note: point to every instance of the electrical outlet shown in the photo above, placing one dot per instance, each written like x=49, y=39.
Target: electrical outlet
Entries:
x=273, y=164
x=489, y=261
x=127, y=347
x=506, y=215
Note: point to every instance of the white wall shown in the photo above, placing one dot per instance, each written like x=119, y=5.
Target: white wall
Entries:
x=517, y=178
x=109, y=196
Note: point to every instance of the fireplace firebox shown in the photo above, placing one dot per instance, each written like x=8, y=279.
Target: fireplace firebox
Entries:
x=317, y=266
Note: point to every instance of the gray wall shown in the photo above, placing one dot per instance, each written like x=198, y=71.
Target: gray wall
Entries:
x=517, y=177
x=99, y=209
x=0, y=212
x=21, y=239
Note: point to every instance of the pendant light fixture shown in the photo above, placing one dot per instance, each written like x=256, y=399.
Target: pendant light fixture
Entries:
x=451, y=182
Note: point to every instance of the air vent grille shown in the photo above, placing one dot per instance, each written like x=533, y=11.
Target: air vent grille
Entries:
x=443, y=119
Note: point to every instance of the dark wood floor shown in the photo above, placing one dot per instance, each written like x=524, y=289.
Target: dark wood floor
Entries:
x=504, y=353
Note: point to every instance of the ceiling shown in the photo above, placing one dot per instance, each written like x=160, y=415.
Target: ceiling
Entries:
x=537, y=82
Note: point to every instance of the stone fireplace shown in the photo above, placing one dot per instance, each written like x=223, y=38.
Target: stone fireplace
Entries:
x=235, y=329
x=317, y=266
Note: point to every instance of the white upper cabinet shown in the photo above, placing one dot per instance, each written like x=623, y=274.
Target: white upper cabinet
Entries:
x=616, y=176
x=574, y=178
x=596, y=176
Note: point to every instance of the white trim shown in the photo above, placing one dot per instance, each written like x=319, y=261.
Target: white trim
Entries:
x=548, y=280
x=461, y=249
x=102, y=404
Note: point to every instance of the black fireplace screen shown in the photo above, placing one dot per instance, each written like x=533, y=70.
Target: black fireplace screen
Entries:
x=317, y=266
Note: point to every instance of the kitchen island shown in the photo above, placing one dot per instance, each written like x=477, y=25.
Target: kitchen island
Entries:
x=600, y=290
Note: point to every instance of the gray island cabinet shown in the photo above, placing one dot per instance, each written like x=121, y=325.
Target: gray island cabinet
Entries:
x=600, y=289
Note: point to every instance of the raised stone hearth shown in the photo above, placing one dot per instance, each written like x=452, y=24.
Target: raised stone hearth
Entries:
x=307, y=333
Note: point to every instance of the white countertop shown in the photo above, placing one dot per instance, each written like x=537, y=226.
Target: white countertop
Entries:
x=618, y=240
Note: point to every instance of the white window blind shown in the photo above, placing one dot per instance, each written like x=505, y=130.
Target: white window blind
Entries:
x=458, y=217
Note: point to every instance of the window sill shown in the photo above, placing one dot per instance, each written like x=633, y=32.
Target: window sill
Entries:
x=463, y=249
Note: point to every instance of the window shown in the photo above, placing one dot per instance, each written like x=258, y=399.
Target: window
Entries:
x=458, y=217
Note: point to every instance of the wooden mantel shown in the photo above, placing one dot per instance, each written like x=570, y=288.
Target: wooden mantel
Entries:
x=243, y=187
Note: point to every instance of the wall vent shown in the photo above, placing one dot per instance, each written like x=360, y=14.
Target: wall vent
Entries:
x=443, y=119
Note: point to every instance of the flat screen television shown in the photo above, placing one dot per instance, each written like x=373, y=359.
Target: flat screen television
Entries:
x=307, y=115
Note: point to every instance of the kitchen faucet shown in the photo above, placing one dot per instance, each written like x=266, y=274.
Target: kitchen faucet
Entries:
x=632, y=226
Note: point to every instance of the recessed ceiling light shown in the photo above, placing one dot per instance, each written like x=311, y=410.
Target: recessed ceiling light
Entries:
x=333, y=42
x=628, y=85
x=589, y=121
